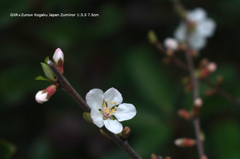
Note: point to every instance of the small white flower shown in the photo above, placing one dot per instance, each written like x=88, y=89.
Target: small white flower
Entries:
x=171, y=43
x=41, y=96
x=204, y=28
x=58, y=57
x=106, y=109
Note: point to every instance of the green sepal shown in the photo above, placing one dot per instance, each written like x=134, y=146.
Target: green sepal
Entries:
x=87, y=117
x=46, y=59
x=48, y=72
x=152, y=37
x=41, y=78
x=197, y=73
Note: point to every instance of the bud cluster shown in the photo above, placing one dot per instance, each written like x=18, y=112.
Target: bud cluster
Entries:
x=44, y=95
x=206, y=68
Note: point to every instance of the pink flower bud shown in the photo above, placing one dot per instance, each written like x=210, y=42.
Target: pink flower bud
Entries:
x=184, y=114
x=198, y=102
x=58, y=59
x=171, y=44
x=184, y=142
x=44, y=95
x=212, y=66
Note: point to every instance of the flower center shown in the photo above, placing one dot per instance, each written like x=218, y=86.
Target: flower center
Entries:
x=108, y=110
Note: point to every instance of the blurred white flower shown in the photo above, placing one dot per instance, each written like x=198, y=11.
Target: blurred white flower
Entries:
x=204, y=28
x=171, y=43
x=104, y=109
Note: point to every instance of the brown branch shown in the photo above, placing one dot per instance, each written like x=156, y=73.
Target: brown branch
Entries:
x=196, y=122
x=68, y=88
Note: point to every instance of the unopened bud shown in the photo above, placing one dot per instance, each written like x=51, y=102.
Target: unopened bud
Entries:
x=171, y=44
x=41, y=97
x=184, y=114
x=167, y=60
x=212, y=66
x=188, y=88
x=185, y=142
x=219, y=80
x=154, y=156
x=104, y=134
x=152, y=37
x=44, y=95
x=58, y=59
x=198, y=102
x=210, y=92
x=204, y=157
x=193, y=53
x=126, y=132
x=197, y=106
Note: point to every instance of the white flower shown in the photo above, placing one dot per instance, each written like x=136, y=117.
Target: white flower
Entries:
x=106, y=109
x=171, y=43
x=58, y=57
x=41, y=96
x=204, y=28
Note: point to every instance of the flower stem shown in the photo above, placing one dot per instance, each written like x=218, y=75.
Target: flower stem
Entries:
x=196, y=122
x=64, y=84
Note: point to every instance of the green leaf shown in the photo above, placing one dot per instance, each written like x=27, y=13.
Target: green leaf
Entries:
x=48, y=72
x=6, y=149
x=46, y=59
x=41, y=78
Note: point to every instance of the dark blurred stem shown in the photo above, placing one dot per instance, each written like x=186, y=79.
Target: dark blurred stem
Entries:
x=64, y=84
x=196, y=122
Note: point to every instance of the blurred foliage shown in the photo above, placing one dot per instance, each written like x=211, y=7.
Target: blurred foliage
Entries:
x=111, y=50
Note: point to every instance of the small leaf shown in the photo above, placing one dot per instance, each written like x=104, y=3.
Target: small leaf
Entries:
x=46, y=59
x=41, y=78
x=48, y=72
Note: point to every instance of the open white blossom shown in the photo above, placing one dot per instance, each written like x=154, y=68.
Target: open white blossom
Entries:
x=106, y=109
x=204, y=28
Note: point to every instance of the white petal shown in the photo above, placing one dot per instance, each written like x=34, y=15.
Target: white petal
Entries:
x=113, y=95
x=94, y=98
x=206, y=28
x=41, y=97
x=97, y=117
x=180, y=32
x=58, y=54
x=196, y=15
x=197, y=42
x=125, y=112
x=113, y=125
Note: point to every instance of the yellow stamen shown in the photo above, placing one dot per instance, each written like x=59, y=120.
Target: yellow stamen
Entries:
x=111, y=103
x=115, y=102
x=105, y=100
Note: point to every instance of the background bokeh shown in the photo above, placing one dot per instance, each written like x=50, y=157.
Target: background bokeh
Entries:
x=111, y=50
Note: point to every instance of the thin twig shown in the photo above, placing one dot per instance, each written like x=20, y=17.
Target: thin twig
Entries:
x=219, y=90
x=68, y=88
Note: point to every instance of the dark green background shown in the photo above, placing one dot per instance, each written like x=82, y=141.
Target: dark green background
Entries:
x=112, y=50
